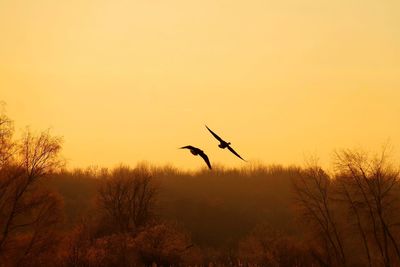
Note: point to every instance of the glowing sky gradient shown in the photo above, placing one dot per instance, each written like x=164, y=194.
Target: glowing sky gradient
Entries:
x=126, y=81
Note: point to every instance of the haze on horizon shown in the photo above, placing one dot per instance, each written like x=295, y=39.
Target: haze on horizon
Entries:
x=128, y=81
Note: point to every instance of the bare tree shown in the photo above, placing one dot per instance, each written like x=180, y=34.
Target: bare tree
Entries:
x=25, y=208
x=41, y=233
x=127, y=198
x=346, y=192
x=6, y=143
x=313, y=191
x=371, y=186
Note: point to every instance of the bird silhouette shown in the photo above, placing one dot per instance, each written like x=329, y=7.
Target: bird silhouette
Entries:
x=197, y=151
x=223, y=144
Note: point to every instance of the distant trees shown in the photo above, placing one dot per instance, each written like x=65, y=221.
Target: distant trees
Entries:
x=353, y=212
x=120, y=217
x=28, y=212
x=127, y=198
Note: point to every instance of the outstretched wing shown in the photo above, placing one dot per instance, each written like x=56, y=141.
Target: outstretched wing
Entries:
x=188, y=147
x=215, y=135
x=234, y=152
x=204, y=156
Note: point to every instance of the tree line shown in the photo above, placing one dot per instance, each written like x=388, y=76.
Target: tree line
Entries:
x=149, y=215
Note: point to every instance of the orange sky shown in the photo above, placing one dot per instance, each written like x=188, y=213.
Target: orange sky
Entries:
x=126, y=81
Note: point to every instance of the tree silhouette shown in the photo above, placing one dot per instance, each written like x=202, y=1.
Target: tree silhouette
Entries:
x=127, y=198
x=313, y=190
x=370, y=186
x=28, y=211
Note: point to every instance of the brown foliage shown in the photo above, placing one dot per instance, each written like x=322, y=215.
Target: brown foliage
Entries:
x=265, y=246
x=163, y=244
x=28, y=211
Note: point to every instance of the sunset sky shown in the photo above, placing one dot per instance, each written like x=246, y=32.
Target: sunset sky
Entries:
x=129, y=81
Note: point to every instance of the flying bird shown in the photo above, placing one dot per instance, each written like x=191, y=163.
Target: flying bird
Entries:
x=223, y=144
x=197, y=151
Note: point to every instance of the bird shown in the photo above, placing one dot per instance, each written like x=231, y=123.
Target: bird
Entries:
x=223, y=144
x=197, y=151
